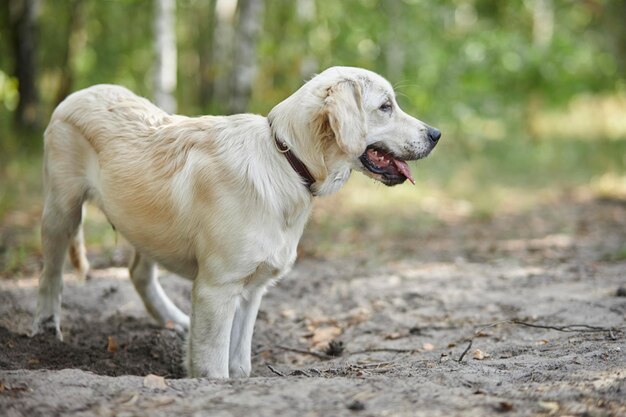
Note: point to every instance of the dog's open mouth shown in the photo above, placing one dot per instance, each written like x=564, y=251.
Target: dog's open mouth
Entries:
x=392, y=170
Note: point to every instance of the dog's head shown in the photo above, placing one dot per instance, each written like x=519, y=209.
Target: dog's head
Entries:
x=348, y=118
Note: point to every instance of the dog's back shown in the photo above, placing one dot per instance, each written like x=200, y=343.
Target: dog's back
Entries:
x=105, y=112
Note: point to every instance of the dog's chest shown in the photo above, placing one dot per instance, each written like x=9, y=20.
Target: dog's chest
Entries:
x=276, y=250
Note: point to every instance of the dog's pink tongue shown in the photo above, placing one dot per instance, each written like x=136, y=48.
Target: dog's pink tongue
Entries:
x=403, y=167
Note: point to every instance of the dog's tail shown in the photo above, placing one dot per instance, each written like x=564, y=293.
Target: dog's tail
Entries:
x=77, y=252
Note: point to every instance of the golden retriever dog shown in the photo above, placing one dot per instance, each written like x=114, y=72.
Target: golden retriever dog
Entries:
x=220, y=200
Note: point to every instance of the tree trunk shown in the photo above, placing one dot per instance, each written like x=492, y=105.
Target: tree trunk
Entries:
x=165, y=48
x=307, y=12
x=543, y=22
x=395, y=56
x=613, y=23
x=205, y=54
x=245, y=60
x=22, y=19
x=76, y=38
x=222, y=52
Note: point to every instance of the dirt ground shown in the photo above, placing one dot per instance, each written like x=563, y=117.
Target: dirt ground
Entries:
x=400, y=331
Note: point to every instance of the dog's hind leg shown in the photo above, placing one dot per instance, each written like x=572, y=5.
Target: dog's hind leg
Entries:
x=78, y=255
x=67, y=160
x=60, y=223
x=143, y=273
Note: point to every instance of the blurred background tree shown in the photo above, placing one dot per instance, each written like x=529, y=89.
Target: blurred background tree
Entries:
x=530, y=95
x=455, y=62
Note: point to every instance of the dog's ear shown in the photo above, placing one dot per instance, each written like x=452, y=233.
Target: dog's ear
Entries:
x=346, y=117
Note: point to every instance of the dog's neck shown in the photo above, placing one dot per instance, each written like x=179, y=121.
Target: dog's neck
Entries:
x=313, y=172
x=296, y=163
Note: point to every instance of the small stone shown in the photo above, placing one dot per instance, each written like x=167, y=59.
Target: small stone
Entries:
x=621, y=292
x=356, y=405
x=550, y=406
x=335, y=348
x=504, y=406
x=480, y=355
x=154, y=382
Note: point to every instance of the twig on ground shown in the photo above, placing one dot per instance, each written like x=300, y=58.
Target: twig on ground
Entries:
x=274, y=370
x=356, y=352
x=569, y=328
x=299, y=372
x=305, y=352
x=580, y=328
x=375, y=364
x=469, y=346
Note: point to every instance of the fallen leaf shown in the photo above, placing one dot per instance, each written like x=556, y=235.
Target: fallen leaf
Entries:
x=289, y=313
x=550, y=406
x=154, y=382
x=379, y=305
x=170, y=324
x=428, y=346
x=394, y=336
x=112, y=345
x=480, y=355
x=504, y=406
x=542, y=342
x=315, y=322
x=33, y=361
x=358, y=317
x=323, y=335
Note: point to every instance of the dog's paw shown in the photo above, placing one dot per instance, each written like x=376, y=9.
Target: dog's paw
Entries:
x=47, y=325
x=181, y=327
x=241, y=371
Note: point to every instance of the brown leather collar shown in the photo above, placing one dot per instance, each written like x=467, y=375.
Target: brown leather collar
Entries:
x=295, y=162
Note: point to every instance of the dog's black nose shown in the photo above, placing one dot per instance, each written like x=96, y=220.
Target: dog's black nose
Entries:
x=434, y=134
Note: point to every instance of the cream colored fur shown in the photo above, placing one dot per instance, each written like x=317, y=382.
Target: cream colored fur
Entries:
x=209, y=198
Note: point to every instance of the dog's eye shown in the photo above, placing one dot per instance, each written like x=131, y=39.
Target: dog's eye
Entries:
x=386, y=107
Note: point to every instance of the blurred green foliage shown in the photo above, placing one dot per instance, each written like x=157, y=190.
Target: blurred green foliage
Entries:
x=458, y=59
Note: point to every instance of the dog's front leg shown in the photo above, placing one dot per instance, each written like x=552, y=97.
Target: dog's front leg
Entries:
x=241, y=334
x=213, y=311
